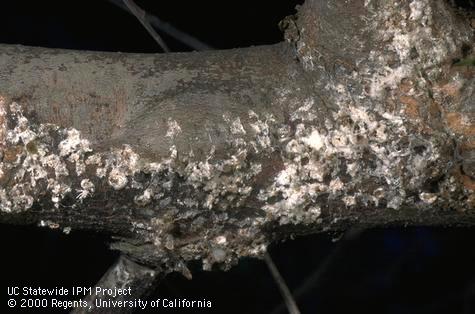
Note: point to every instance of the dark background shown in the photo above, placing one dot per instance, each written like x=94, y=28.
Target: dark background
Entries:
x=394, y=270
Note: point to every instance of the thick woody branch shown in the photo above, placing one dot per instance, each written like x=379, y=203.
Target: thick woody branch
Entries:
x=213, y=155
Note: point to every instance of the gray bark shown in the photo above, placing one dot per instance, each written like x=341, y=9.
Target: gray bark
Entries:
x=358, y=118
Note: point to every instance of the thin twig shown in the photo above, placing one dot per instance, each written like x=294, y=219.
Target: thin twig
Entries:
x=168, y=29
x=284, y=290
x=141, y=16
x=315, y=278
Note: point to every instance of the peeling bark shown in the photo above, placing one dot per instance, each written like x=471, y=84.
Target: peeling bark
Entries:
x=359, y=118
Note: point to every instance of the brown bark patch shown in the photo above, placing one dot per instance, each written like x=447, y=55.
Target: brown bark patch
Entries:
x=11, y=154
x=467, y=145
x=412, y=106
x=467, y=182
x=2, y=121
x=460, y=123
x=434, y=111
x=471, y=201
x=451, y=89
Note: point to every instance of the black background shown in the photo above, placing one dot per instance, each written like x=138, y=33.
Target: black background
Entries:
x=395, y=270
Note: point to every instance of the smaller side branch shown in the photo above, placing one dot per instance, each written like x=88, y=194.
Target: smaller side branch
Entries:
x=284, y=290
x=124, y=274
x=141, y=16
x=169, y=29
x=316, y=279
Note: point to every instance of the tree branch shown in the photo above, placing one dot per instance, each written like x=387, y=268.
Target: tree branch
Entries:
x=141, y=16
x=169, y=29
x=284, y=290
x=213, y=155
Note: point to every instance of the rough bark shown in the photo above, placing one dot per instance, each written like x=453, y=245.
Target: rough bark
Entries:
x=359, y=118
